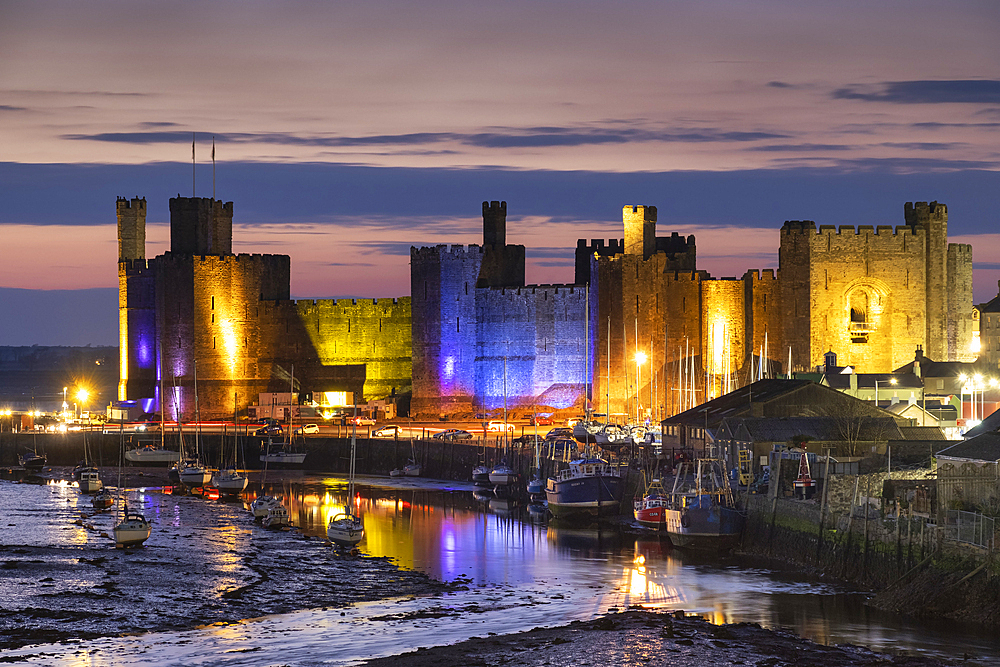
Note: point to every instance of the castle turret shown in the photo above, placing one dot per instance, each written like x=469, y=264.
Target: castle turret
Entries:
x=201, y=226
x=933, y=218
x=131, y=228
x=640, y=230
x=495, y=223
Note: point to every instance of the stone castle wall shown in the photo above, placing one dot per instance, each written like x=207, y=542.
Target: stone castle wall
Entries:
x=443, y=293
x=531, y=347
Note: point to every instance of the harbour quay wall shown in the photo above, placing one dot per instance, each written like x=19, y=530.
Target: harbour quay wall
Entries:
x=908, y=561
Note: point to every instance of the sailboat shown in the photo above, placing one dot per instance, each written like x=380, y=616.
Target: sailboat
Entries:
x=132, y=527
x=151, y=453
x=285, y=453
x=346, y=529
x=502, y=474
x=536, y=485
x=87, y=476
x=193, y=473
x=32, y=461
x=263, y=504
x=230, y=480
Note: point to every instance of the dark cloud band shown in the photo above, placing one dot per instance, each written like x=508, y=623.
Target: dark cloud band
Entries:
x=961, y=91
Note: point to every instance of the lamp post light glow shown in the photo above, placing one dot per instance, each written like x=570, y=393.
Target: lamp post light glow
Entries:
x=892, y=381
x=640, y=359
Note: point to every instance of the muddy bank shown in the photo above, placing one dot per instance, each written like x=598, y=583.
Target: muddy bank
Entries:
x=206, y=562
x=647, y=638
x=934, y=593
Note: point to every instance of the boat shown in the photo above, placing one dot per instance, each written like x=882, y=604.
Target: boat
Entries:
x=103, y=499
x=132, y=527
x=192, y=472
x=90, y=481
x=536, y=485
x=230, y=480
x=152, y=454
x=32, y=461
x=702, y=512
x=589, y=486
x=503, y=475
x=651, y=510
x=281, y=453
x=346, y=529
x=277, y=517
x=286, y=453
x=411, y=469
x=262, y=505
x=481, y=475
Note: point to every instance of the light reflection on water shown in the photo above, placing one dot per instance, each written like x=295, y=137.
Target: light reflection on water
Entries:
x=454, y=534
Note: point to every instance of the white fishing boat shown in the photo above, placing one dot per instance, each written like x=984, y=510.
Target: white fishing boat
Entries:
x=346, y=529
x=277, y=517
x=262, y=505
x=90, y=482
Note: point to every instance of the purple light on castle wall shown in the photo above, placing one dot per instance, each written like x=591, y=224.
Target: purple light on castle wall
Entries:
x=148, y=404
x=145, y=353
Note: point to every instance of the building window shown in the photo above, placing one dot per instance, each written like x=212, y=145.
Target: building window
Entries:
x=213, y=342
x=213, y=303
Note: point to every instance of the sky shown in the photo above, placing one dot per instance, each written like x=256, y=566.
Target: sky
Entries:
x=347, y=132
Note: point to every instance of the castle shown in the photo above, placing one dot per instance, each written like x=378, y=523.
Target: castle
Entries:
x=473, y=337
x=198, y=309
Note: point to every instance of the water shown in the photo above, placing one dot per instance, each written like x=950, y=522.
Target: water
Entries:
x=521, y=572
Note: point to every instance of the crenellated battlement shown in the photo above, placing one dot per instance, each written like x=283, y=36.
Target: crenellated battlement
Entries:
x=138, y=203
x=760, y=275
x=443, y=250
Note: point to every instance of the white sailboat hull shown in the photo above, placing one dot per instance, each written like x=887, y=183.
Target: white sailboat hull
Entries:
x=195, y=476
x=290, y=458
x=132, y=531
x=152, y=455
x=345, y=531
x=230, y=482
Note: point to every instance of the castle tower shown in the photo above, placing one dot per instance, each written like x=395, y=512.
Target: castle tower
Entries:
x=933, y=218
x=640, y=230
x=136, y=307
x=502, y=265
x=495, y=223
x=201, y=226
x=131, y=228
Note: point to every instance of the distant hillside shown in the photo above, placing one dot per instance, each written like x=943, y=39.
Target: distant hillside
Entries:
x=59, y=317
x=35, y=376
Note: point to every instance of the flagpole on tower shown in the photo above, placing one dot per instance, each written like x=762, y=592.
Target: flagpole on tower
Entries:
x=192, y=166
x=213, y=167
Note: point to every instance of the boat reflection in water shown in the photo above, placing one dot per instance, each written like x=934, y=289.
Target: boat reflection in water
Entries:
x=449, y=534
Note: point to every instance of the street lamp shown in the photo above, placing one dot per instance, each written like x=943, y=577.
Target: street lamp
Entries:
x=892, y=381
x=65, y=405
x=81, y=397
x=640, y=359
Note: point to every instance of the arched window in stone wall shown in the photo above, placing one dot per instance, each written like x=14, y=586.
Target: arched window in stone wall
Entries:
x=864, y=301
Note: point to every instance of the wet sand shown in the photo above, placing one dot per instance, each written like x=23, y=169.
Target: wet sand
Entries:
x=207, y=563
x=649, y=639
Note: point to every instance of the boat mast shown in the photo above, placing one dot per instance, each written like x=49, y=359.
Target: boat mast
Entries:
x=607, y=385
x=197, y=417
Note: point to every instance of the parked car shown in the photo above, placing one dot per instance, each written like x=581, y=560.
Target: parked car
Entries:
x=559, y=432
x=500, y=426
x=527, y=440
x=272, y=429
x=307, y=428
x=559, y=447
x=389, y=431
x=540, y=420
x=452, y=434
x=361, y=420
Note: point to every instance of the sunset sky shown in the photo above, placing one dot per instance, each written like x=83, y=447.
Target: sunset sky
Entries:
x=347, y=132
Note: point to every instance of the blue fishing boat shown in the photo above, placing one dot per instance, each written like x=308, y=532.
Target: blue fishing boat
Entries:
x=702, y=513
x=589, y=486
